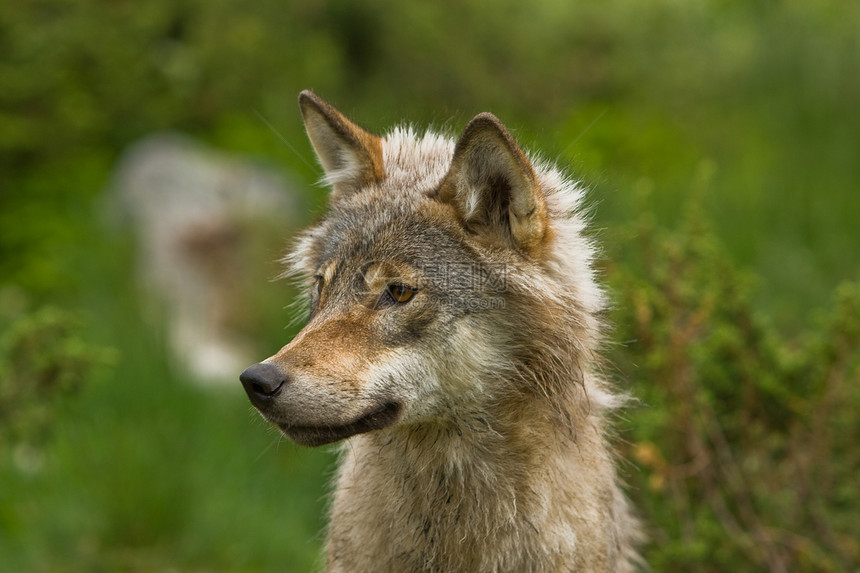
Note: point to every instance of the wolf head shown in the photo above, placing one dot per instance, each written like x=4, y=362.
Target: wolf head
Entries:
x=444, y=278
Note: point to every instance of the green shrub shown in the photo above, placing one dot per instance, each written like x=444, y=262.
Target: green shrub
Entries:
x=43, y=360
x=744, y=441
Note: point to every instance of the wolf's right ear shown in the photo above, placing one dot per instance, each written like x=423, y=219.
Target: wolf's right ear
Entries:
x=350, y=156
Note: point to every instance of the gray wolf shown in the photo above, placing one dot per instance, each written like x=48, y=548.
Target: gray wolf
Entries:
x=453, y=343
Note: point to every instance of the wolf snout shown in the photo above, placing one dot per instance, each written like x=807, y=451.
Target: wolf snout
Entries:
x=262, y=382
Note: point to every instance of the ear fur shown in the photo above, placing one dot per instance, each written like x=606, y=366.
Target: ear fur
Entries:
x=493, y=187
x=350, y=156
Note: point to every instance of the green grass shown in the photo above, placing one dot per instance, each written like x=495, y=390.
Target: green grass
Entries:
x=147, y=472
x=161, y=477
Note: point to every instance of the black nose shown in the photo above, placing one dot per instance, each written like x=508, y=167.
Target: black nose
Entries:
x=262, y=381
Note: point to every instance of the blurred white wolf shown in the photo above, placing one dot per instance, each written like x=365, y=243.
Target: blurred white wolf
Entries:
x=198, y=216
x=453, y=339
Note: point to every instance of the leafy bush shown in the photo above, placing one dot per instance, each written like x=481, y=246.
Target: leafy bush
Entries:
x=43, y=360
x=745, y=438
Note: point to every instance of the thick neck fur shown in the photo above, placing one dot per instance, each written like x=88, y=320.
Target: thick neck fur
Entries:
x=521, y=482
x=498, y=491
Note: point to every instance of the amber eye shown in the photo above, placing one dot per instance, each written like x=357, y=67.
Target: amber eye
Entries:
x=401, y=293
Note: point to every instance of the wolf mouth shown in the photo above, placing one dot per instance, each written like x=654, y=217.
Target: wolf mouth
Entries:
x=376, y=419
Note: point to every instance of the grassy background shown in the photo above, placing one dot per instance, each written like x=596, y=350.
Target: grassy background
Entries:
x=721, y=141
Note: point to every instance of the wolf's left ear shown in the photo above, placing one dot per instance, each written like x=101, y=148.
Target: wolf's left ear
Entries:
x=350, y=156
x=493, y=187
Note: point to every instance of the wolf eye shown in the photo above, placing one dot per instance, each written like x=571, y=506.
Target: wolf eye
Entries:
x=318, y=284
x=401, y=293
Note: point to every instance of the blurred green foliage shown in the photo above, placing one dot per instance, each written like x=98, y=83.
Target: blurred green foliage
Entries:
x=746, y=436
x=744, y=111
x=42, y=359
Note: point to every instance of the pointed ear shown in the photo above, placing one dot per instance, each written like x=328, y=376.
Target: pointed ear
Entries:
x=493, y=187
x=350, y=156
